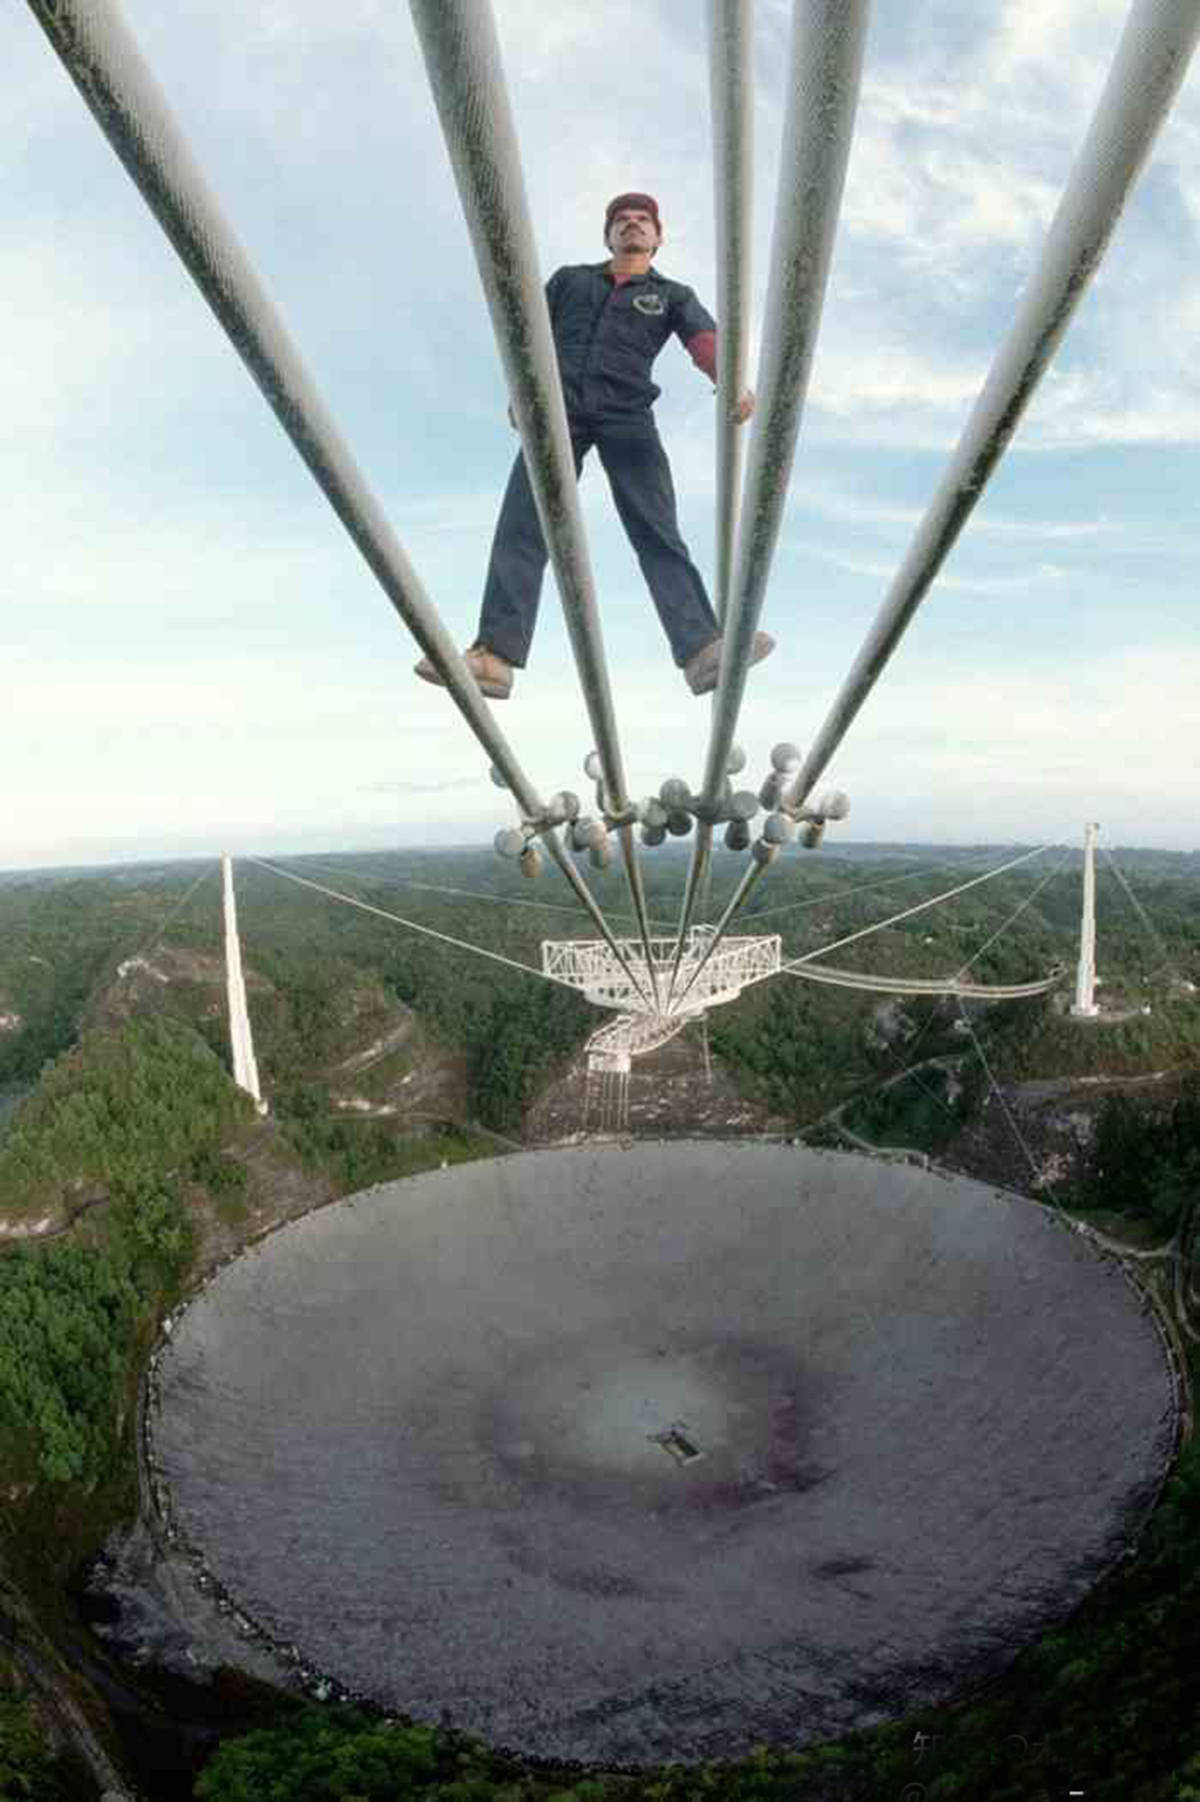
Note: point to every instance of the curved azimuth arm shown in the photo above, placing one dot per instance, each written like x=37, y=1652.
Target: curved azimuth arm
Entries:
x=914, y=985
x=791, y=968
x=102, y=59
x=1149, y=66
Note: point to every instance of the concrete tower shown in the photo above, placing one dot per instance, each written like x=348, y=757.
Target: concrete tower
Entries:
x=1085, y=979
x=245, y=1069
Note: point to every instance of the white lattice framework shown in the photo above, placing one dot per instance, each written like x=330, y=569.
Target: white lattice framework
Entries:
x=614, y=1045
x=635, y=985
x=652, y=1010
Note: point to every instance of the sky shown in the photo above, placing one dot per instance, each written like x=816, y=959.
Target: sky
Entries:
x=193, y=657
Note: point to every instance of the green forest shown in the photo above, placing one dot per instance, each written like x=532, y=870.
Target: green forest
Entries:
x=134, y=1115
x=132, y=1142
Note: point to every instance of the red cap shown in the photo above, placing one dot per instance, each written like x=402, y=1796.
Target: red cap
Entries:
x=642, y=203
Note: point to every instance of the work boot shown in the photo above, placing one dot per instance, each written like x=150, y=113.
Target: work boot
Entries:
x=493, y=676
x=701, y=671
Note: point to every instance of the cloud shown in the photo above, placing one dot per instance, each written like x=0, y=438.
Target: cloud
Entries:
x=77, y=365
x=1031, y=581
x=1126, y=724
x=830, y=501
x=420, y=788
x=196, y=637
x=948, y=201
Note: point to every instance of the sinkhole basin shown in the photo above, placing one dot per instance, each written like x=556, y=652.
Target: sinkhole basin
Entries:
x=654, y=1453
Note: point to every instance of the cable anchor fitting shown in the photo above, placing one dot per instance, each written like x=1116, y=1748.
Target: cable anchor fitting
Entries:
x=674, y=808
x=784, y=816
x=520, y=842
x=615, y=814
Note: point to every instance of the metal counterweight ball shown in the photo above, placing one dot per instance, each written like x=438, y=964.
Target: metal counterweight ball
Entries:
x=675, y=794
x=562, y=806
x=509, y=842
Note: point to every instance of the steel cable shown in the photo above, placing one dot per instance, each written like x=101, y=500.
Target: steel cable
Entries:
x=893, y=919
x=1148, y=68
x=98, y=52
x=462, y=56
x=430, y=932
x=731, y=92
x=1151, y=60
x=824, y=73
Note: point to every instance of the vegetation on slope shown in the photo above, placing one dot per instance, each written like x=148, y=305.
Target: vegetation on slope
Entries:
x=136, y=1113
x=1145, y=1160
x=802, y=1048
x=924, y=1111
x=61, y=938
x=121, y=1111
x=509, y=1028
x=133, y=1115
x=340, y=1756
x=69, y=1319
x=31, y=1768
x=128, y=1133
x=140, y=1115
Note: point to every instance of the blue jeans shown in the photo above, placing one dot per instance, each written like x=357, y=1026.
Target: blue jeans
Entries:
x=640, y=478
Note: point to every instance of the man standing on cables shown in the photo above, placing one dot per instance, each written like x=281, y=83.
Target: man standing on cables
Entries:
x=610, y=320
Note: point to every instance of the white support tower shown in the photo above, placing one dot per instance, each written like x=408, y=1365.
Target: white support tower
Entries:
x=1085, y=979
x=245, y=1069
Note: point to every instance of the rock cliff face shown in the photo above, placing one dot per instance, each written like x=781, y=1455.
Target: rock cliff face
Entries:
x=1030, y=1135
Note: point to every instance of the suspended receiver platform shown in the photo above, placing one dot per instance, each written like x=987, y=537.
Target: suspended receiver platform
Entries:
x=627, y=982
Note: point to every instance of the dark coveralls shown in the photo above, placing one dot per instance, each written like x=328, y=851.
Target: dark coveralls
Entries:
x=607, y=336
